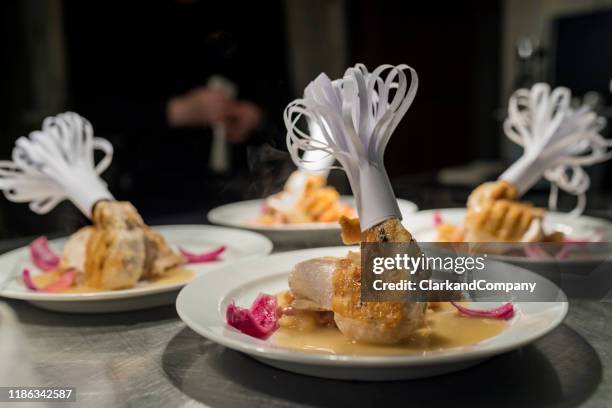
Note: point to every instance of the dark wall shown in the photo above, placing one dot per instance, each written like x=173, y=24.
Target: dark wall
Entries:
x=455, y=49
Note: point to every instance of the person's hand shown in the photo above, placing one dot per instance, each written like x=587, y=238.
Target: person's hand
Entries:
x=242, y=118
x=199, y=107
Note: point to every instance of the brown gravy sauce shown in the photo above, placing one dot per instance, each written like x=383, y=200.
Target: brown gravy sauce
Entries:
x=445, y=329
x=171, y=277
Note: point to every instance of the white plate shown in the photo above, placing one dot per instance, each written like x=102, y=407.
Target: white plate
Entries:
x=421, y=224
x=202, y=304
x=244, y=214
x=199, y=238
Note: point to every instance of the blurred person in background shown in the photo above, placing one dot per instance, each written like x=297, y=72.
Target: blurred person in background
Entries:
x=140, y=72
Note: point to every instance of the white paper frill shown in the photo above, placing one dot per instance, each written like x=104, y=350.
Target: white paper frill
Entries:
x=356, y=116
x=558, y=141
x=57, y=163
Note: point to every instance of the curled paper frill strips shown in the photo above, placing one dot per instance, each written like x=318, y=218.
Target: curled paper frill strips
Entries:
x=558, y=141
x=55, y=163
x=356, y=116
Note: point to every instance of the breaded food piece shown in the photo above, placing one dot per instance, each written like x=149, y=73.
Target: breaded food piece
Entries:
x=115, y=251
x=350, y=230
x=390, y=230
x=159, y=258
x=121, y=250
x=495, y=215
x=372, y=322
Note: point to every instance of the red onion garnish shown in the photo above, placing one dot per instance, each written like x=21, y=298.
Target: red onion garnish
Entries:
x=42, y=256
x=260, y=321
x=504, y=312
x=437, y=218
x=536, y=252
x=204, y=256
x=27, y=279
x=62, y=283
x=564, y=252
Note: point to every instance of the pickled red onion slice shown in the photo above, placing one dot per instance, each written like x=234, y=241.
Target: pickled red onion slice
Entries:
x=62, y=283
x=260, y=321
x=564, y=252
x=437, y=218
x=42, y=256
x=204, y=256
x=506, y=311
x=27, y=279
x=536, y=252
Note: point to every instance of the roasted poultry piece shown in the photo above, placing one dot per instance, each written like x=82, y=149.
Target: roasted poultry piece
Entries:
x=304, y=199
x=334, y=284
x=118, y=250
x=495, y=215
x=356, y=115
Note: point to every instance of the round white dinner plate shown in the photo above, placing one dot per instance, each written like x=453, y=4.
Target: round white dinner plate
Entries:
x=244, y=214
x=202, y=304
x=197, y=238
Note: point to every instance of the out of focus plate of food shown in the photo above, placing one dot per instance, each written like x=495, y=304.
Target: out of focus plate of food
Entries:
x=220, y=246
x=571, y=248
x=247, y=215
x=204, y=306
x=424, y=224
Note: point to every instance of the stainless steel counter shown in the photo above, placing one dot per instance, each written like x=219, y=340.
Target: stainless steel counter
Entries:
x=149, y=358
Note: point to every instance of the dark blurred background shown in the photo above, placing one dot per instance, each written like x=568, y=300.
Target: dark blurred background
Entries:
x=122, y=64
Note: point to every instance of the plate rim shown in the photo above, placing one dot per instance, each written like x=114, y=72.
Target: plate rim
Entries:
x=131, y=292
x=212, y=216
x=291, y=356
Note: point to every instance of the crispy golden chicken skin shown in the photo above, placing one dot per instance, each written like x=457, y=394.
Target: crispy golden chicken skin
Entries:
x=334, y=284
x=494, y=214
x=115, y=252
x=121, y=249
x=390, y=230
x=159, y=256
x=372, y=322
